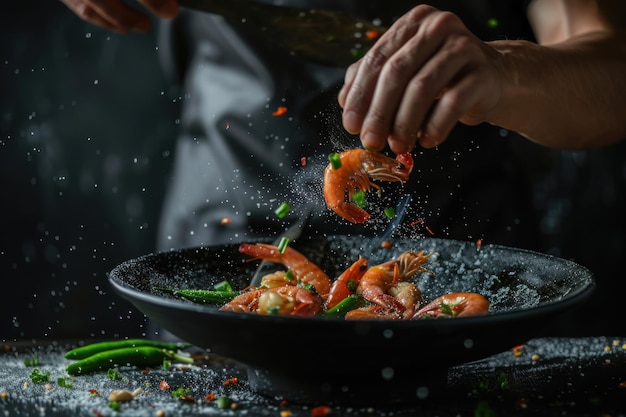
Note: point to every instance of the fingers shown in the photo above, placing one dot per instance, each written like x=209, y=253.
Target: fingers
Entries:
x=119, y=17
x=416, y=83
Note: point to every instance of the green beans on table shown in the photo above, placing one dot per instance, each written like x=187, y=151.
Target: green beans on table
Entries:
x=93, y=348
x=134, y=356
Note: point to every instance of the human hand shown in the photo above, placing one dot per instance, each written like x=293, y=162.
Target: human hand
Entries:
x=424, y=74
x=119, y=17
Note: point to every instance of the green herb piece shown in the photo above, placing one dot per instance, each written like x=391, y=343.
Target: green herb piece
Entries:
x=349, y=303
x=180, y=392
x=32, y=361
x=282, y=245
x=359, y=198
x=352, y=285
x=65, y=382
x=113, y=374
x=282, y=210
x=289, y=275
x=114, y=405
x=167, y=364
x=335, y=160
x=390, y=212
x=223, y=286
x=358, y=53
x=446, y=309
x=37, y=377
x=223, y=402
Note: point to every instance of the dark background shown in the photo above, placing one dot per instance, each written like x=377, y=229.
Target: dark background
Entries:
x=87, y=127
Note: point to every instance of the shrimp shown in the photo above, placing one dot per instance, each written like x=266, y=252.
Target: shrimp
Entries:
x=346, y=283
x=303, y=269
x=290, y=299
x=287, y=299
x=456, y=304
x=406, y=293
x=377, y=280
x=373, y=312
x=356, y=166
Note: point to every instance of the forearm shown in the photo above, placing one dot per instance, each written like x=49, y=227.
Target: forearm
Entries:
x=567, y=95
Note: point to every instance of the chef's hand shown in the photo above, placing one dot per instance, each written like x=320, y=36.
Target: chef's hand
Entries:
x=427, y=72
x=117, y=16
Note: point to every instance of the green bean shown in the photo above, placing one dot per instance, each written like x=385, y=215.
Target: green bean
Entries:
x=93, y=348
x=134, y=356
x=204, y=296
x=349, y=303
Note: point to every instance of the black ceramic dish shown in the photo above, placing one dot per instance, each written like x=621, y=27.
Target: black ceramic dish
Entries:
x=360, y=362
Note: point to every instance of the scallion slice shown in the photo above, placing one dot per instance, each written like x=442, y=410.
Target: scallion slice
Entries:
x=335, y=160
x=282, y=210
x=282, y=245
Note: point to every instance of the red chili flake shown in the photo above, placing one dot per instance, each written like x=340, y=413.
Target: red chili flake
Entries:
x=280, y=111
x=226, y=220
x=521, y=403
x=372, y=34
x=231, y=381
x=416, y=222
x=97, y=413
x=145, y=371
x=227, y=125
x=164, y=385
x=517, y=350
x=429, y=231
x=387, y=244
x=284, y=403
x=320, y=411
x=479, y=243
x=303, y=161
x=94, y=392
x=209, y=397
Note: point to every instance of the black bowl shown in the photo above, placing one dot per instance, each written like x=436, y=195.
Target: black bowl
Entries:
x=376, y=361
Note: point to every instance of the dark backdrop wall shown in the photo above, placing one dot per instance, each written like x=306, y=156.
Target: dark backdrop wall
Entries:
x=87, y=123
x=86, y=128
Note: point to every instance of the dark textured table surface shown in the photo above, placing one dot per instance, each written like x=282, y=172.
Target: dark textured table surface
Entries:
x=544, y=377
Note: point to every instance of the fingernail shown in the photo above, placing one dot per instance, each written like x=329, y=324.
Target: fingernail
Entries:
x=351, y=122
x=372, y=141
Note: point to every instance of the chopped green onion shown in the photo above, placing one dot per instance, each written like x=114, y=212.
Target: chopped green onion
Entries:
x=223, y=402
x=113, y=374
x=282, y=245
x=33, y=361
x=223, y=286
x=167, y=364
x=282, y=210
x=446, y=309
x=335, y=160
x=65, y=382
x=390, y=212
x=289, y=275
x=359, y=198
x=180, y=392
x=37, y=377
x=114, y=405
